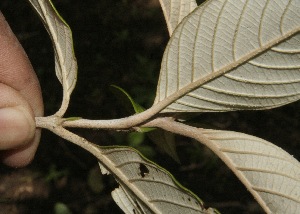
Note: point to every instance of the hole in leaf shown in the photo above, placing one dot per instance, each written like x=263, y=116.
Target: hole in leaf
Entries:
x=143, y=170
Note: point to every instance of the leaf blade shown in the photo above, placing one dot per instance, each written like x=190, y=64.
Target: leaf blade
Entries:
x=213, y=62
x=145, y=187
x=136, y=107
x=268, y=172
x=175, y=10
x=61, y=36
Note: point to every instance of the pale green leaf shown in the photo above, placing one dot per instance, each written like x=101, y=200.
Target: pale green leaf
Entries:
x=233, y=55
x=61, y=36
x=175, y=11
x=270, y=174
x=137, y=107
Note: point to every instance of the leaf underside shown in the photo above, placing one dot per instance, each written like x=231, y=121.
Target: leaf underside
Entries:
x=145, y=187
x=233, y=55
x=270, y=174
x=175, y=10
x=61, y=36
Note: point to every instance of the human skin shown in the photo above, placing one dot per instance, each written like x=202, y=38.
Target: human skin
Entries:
x=20, y=101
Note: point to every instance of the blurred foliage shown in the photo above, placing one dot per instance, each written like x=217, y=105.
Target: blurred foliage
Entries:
x=122, y=43
x=54, y=174
x=61, y=208
x=95, y=180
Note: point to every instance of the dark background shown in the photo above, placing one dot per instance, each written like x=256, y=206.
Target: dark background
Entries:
x=120, y=42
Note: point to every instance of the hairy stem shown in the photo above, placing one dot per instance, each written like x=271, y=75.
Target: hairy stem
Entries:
x=122, y=123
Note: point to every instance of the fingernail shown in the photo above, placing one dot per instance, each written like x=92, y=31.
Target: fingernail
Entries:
x=16, y=128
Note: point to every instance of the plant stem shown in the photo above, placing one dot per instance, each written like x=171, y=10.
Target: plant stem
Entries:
x=117, y=124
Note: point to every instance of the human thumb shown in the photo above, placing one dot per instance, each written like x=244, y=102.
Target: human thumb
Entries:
x=17, y=125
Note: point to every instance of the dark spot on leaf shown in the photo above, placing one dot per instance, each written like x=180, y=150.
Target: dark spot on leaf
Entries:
x=143, y=170
x=189, y=199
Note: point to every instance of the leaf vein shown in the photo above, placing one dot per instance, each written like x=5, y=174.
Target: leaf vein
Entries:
x=283, y=16
x=176, y=203
x=215, y=35
x=259, y=189
x=268, y=172
x=260, y=23
x=279, y=82
x=237, y=28
x=286, y=159
x=252, y=62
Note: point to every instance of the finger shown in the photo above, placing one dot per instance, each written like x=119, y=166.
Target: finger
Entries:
x=24, y=99
x=21, y=156
x=17, y=125
x=17, y=128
